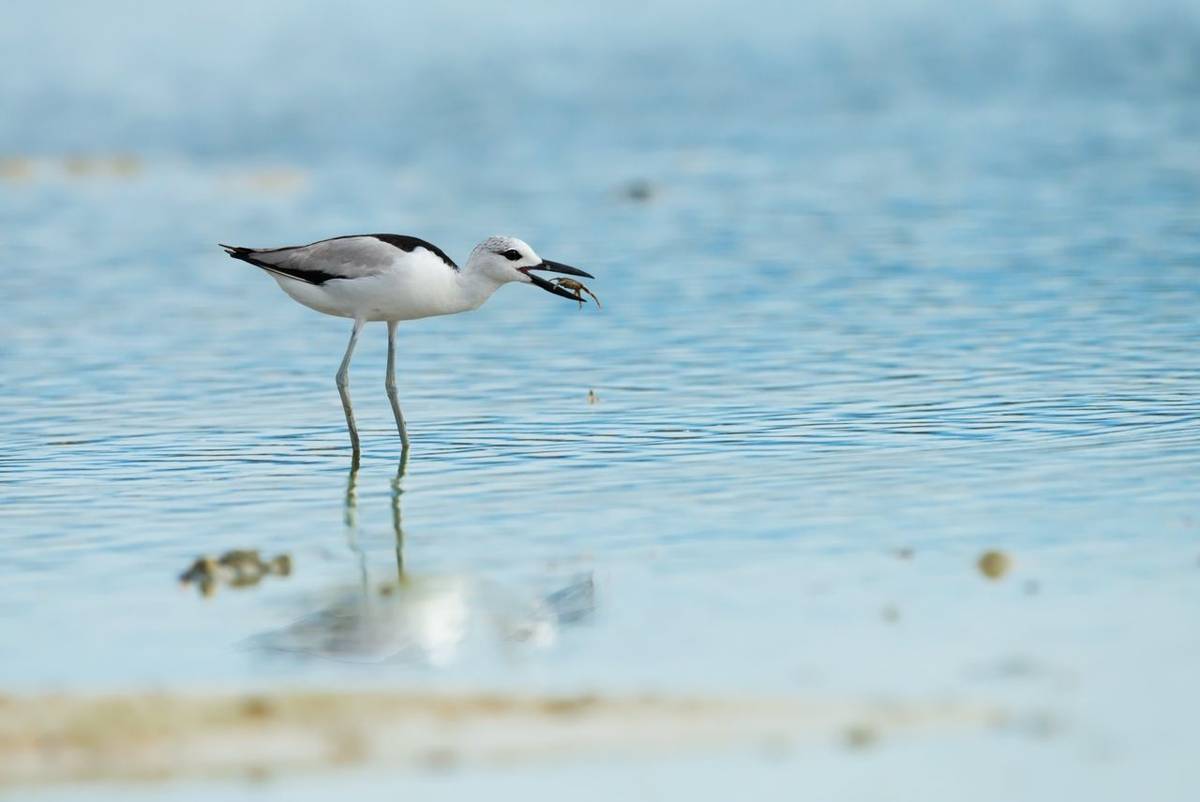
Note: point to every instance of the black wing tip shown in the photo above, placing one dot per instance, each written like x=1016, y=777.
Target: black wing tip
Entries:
x=250, y=256
x=236, y=251
x=247, y=255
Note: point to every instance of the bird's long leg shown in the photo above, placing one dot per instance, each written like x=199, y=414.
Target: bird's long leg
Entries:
x=390, y=383
x=343, y=385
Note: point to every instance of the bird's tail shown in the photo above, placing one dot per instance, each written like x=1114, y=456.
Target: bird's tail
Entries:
x=236, y=251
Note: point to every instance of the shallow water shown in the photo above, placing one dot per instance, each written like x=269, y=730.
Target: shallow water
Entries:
x=885, y=294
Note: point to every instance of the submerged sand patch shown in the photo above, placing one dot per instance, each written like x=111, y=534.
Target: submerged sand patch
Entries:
x=45, y=739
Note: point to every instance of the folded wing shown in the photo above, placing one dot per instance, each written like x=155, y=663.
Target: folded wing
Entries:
x=327, y=260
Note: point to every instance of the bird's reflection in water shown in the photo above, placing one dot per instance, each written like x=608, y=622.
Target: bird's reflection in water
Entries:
x=431, y=620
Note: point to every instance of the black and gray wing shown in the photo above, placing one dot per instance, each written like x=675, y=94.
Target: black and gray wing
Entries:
x=350, y=257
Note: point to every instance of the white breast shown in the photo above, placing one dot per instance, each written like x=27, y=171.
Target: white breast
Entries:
x=413, y=285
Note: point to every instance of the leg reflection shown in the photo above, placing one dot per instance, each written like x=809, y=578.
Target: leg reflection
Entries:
x=350, y=519
x=427, y=619
x=397, y=528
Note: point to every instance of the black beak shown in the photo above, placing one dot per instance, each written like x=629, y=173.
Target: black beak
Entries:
x=554, y=267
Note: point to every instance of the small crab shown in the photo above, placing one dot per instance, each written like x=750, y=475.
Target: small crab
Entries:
x=577, y=288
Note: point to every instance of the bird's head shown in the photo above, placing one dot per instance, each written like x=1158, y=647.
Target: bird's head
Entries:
x=505, y=259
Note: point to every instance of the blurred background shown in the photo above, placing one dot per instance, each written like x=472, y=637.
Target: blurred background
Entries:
x=886, y=287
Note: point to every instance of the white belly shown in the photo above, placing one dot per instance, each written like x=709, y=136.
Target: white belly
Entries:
x=391, y=295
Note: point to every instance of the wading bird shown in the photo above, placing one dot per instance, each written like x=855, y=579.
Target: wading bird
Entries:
x=389, y=278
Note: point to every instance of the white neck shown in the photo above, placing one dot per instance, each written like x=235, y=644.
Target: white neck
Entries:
x=474, y=287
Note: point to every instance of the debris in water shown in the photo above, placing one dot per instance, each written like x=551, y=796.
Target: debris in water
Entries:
x=121, y=165
x=79, y=165
x=891, y=613
x=994, y=564
x=639, y=190
x=15, y=169
x=125, y=165
x=904, y=553
x=860, y=736
x=239, y=568
x=283, y=180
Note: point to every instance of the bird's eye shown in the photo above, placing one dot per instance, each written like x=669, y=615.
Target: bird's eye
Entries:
x=512, y=255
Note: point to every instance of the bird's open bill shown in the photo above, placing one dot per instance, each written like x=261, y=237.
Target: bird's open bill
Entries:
x=554, y=267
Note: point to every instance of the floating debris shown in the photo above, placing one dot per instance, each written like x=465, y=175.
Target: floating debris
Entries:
x=79, y=165
x=1012, y=667
x=121, y=165
x=239, y=568
x=577, y=288
x=274, y=180
x=1040, y=724
x=994, y=564
x=639, y=190
x=890, y=613
x=15, y=169
x=904, y=553
x=860, y=736
x=125, y=165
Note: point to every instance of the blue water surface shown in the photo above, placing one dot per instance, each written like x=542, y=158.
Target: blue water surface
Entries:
x=883, y=288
